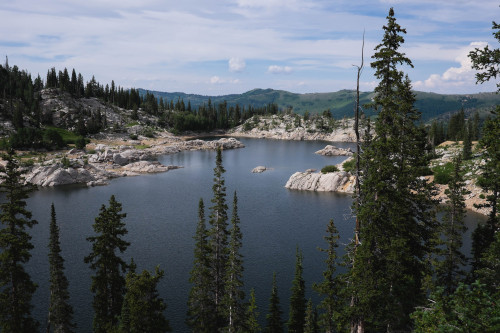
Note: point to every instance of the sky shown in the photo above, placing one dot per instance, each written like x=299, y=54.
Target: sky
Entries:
x=232, y=46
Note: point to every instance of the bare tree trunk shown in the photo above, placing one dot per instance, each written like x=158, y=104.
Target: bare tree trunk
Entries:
x=357, y=324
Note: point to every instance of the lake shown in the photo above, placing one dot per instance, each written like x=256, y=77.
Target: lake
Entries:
x=162, y=215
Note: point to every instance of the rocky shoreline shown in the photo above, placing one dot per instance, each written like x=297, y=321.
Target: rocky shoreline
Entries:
x=116, y=157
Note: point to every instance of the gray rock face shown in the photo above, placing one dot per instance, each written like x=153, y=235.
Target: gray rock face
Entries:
x=55, y=175
x=340, y=181
x=147, y=167
x=330, y=150
x=259, y=169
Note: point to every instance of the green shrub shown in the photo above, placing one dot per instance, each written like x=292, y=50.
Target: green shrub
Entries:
x=80, y=143
x=133, y=136
x=65, y=162
x=350, y=166
x=329, y=168
x=443, y=173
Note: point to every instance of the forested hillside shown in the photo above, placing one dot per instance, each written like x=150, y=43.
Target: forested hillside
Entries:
x=341, y=103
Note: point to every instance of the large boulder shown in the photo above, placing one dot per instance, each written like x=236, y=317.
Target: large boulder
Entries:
x=259, y=169
x=330, y=150
x=340, y=181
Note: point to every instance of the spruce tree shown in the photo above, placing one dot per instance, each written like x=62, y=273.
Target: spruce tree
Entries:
x=467, y=143
x=395, y=214
x=60, y=311
x=449, y=271
x=296, y=319
x=145, y=308
x=234, y=295
x=218, y=239
x=274, y=323
x=489, y=180
x=16, y=286
x=251, y=315
x=201, y=306
x=311, y=321
x=108, y=283
x=329, y=287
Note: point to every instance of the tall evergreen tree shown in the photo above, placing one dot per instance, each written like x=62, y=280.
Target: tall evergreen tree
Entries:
x=329, y=287
x=311, y=320
x=396, y=216
x=449, y=271
x=487, y=62
x=273, y=318
x=144, y=305
x=234, y=295
x=108, y=283
x=218, y=239
x=16, y=286
x=489, y=181
x=298, y=302
x=251, y=315
x=467, y=143
x=201, y=307
x=60, y=311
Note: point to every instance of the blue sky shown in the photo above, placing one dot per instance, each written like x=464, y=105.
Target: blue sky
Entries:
x=232, y=46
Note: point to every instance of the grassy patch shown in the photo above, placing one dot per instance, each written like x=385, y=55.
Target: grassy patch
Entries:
x=67, y=136
x=141, y=146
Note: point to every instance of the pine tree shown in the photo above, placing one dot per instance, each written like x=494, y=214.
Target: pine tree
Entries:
x=467, y=143
x=329, y=287
x=487, y=62
x=234, y=295
x=145, y=308
x=108, y=283
x=16, y=286
x=489, y=181
x=201, y=307
x=296, y=319
x=273, y=317
x=60, y=311
x=311, y=321
x=218, y=239
x=450, y=271
x=251, y=315
x=396, y=216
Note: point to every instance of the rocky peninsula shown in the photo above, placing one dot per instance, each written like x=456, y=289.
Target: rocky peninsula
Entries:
x=112, y=157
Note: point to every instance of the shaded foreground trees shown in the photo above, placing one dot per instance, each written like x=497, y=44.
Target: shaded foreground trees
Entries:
x=395, y=210
x=16, y=286
x=60, y=311
x=109, y=282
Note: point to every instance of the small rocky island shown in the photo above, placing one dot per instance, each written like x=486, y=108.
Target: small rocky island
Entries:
x=331, y=150
x=339, y=181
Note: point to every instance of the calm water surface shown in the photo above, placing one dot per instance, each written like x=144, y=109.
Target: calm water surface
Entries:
x=162, y=215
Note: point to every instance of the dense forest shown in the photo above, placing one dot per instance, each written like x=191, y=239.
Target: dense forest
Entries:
x=403, y=269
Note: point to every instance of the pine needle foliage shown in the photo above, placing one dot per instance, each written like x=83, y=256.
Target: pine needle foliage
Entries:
x=60, y=310
x=16, y=286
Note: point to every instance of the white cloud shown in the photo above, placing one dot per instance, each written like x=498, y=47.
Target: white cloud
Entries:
x=218, y=80
x=454, y=78
x=275, y=69
x=236, y=65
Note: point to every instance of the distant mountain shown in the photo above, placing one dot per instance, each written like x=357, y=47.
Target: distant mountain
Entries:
x=341, y=103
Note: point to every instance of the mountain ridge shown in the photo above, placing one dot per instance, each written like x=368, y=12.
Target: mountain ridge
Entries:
x=341, y=103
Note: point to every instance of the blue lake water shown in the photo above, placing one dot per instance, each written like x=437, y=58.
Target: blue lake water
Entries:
x=162, y=215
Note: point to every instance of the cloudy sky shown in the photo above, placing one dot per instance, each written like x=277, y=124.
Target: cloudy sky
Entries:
x=231, y=46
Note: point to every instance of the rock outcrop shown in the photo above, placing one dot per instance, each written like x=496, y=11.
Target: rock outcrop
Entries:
x=330, y=150
x=111, y=161
x=259, y=169
x=340, y=181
